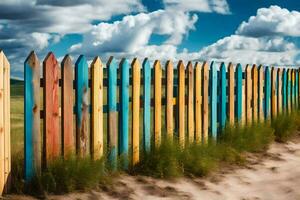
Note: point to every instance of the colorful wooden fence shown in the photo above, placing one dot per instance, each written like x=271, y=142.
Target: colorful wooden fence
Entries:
x=5, y=163
x=97, y=110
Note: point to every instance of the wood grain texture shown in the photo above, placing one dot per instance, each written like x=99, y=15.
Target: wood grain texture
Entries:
x=124, y=112
x=231, y=93
x=248, y=98
x=157, y=102
x=239, y=92
x=147, y=105
x=255, y=93
x=2, y=131
x=181, y=103
x=284, y=90
x=273, y=92
x=267, y=92
x=297, y=88
x=136, y=85
x=112, y=112
x=51, y=145
x=198, y=103
x=223, y=97
x=82, y=106
x=32, y=141
x=169, y=99
x=279, y=92
x=213, y=99
x=190, y=106
x=7, y=141
x=205, y=101
x=97, y=109
x=261, y=93
x=68, y=140
x=288, y=93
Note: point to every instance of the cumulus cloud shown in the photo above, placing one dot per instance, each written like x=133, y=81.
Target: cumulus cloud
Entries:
x=133, y=32
x=218, y=6
x=272, y=21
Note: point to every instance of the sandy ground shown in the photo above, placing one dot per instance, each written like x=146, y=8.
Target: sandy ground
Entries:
x=274, y=175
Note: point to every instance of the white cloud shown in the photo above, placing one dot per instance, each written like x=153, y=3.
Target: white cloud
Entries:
x=245, y=50
x=272, y=21
x=133, y=32
x=218, y=6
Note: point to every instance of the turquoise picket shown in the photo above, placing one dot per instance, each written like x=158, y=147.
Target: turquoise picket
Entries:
x=213, y=99
x=112, y=111
x=239, y=85
x=297, y=89
x=32, y=146
x=260, y=104
x=147, y=105
x=284, y=87
x=124, y=111
x=81, y=107
x=223, y=103
x=267, y=92
x=288, y=97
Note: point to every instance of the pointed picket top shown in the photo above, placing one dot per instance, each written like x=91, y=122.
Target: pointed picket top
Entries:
x=156, y=64
x=32, y=59
x=96, y=62
x=135, y=63
x=1, y=58
x=146, y=62
x=81, y=59
x=5, y=60
x=197, y=64
x=180, y=64
x=238, y=67
x=66, y=60
x=223, y=67
x=169, y=63
x=124, y=63
x=111, y=61
x=50, y=58
x=190, y=65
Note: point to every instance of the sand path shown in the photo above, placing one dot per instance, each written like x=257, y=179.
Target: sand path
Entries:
x=274, y=175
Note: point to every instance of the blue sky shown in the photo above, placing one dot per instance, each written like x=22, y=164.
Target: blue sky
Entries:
x=221, y=30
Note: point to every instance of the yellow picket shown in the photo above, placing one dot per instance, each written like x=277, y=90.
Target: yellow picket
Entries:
x=198, y=103
x=169, y=100
x=157, y=102
x=248, y=98
x=231, y=93
x=181, y=103
x=205, y=101
x=254, y=93
x=191, y=122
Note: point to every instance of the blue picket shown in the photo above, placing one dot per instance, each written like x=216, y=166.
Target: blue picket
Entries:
x=267, y=92
x=81, y=104
x=223, y=103
x=147, y=105
x=32, y=137
x=124, y=111
x=288, y=96
x=239, y=85
x=284, y=87
x=112, y=111
x=213, y=99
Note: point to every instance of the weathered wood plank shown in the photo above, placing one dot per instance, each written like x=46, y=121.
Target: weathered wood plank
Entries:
x=296, y=89
x=2, y=131
x=248, y=98
x=279, y=91
x=205, y=101
x=112, y=112
x=223, y=96
x=136, y=85
x=284, y=89
x=147, y=105
x=81, y=81
x=255, y=93
x=190, y=103
x=231, y=95
x=274, y=93
x=68, y=140
x=267, y=92
x=169, y=99
x=32, y=143
x=7, y=141
x=51, y=148
x=181, y=103
x=124, y=112
x=157, y=102
x=198, y=103
x=261, y=93
x=288, y=96
x=97, y=109
x=213, y=99
x=239, y=92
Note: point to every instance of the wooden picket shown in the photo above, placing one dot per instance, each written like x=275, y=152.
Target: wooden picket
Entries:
x=211, y=94
x=5, y=151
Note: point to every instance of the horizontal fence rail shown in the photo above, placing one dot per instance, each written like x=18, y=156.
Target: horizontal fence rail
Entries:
x=122, y=109
x=5, y=153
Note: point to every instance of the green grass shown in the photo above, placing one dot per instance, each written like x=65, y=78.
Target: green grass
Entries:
x=167, y=161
